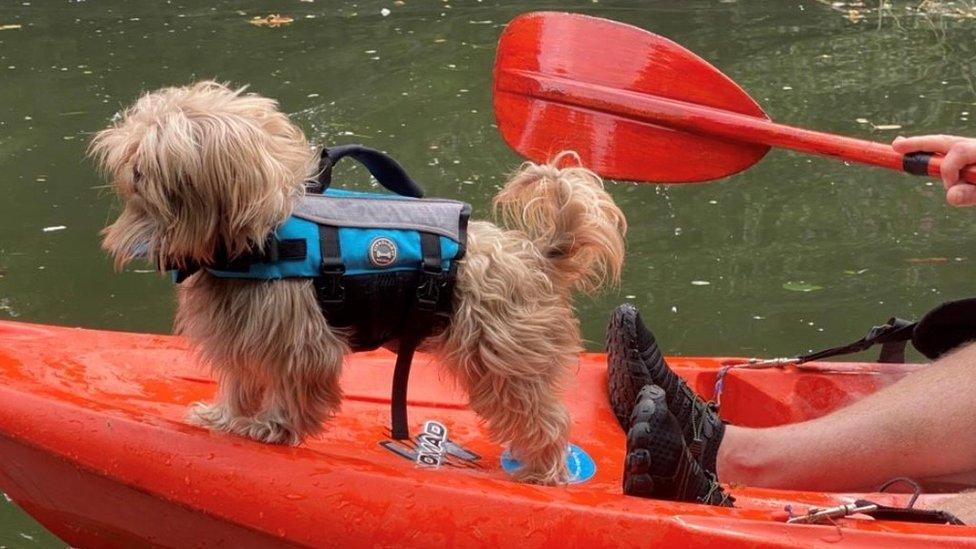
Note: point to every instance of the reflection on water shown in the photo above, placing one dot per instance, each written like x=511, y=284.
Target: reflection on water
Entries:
x=714, y=267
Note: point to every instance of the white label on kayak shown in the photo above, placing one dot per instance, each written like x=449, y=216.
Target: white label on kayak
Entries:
x=432, y=449
x=431, y=444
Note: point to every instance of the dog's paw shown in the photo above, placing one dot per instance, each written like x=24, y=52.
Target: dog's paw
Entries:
x=544, y=474
x=543, y=478
x=271, y=431
x=211, y=416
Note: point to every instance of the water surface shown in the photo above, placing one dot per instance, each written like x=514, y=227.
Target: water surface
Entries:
x=715, y=268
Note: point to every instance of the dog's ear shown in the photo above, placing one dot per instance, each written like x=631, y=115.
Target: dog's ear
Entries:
x=134, y=233
x=212, y=169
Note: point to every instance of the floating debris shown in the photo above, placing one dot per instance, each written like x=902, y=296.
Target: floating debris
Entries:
x=273, y=20
x=801, y=286
x=700, y=283
x=857, y=11
x=54, y=228
x=9, y=27
x=878, y=126
x=385, y=11
x=927, y=260
x=6, y=307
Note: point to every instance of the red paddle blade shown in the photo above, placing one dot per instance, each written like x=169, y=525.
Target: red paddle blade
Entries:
x=564, y=81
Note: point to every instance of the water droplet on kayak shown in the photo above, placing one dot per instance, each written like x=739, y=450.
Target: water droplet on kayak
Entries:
x=294, y=497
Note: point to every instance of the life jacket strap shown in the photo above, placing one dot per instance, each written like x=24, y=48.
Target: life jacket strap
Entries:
x=419, y=323
x=329, y=287
x=274, y=249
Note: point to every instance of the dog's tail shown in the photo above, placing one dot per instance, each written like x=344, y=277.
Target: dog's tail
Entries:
x=571, y=220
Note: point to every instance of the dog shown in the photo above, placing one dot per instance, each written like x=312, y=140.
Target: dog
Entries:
x=207, y=167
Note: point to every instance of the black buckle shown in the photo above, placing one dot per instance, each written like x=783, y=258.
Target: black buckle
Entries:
x=271, y=249
x=429, y=289
x=330, y=287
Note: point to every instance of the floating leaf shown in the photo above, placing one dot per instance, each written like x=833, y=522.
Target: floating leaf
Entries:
x=801, y=286
x=274, y=20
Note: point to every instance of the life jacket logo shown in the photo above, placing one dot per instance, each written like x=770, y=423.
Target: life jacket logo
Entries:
x=432, y=449
x=382, y=252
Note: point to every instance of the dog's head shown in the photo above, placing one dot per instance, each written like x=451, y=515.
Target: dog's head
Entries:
x=200, y=168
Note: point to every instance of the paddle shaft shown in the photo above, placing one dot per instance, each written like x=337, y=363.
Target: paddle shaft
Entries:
x=700, y=119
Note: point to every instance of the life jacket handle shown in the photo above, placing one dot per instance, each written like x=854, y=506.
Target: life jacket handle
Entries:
x=382, y=166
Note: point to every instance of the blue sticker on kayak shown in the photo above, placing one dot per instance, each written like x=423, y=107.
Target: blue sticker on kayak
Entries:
x=580, y=465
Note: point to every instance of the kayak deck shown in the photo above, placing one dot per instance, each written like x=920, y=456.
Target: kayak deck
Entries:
x=96, y=447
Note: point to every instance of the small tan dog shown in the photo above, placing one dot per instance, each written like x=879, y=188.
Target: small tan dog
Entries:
x=205, y=167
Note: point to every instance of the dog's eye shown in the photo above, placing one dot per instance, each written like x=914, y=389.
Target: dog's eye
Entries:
x=136, y=179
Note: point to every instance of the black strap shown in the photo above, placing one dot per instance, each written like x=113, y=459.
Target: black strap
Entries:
x=383, y=167
x=289, y=249
x=418, y=322
x=942, y=329
x=893, y=337
x=909, y=514
x=329, y=288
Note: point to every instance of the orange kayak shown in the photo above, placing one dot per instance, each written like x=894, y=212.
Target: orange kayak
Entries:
x=94, y=445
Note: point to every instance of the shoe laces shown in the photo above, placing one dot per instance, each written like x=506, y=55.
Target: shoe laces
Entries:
x=699, y=424
x=715, y=491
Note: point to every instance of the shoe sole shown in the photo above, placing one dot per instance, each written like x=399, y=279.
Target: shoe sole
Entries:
x=645, y=422
x=626, y=374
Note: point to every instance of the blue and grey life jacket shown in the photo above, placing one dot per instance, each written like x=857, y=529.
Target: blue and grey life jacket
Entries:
x=383, y=265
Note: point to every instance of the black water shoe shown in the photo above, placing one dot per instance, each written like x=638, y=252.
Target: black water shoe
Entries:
x=634, y=360
x=658, y=463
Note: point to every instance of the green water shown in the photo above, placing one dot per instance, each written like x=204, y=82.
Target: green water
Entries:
x=707, y=263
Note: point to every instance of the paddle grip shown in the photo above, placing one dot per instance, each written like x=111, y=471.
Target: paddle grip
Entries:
x=930, y=164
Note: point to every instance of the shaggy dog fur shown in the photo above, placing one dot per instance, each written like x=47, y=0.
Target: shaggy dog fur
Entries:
x=205, y=167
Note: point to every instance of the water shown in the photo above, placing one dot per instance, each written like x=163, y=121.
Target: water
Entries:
x=417, y=83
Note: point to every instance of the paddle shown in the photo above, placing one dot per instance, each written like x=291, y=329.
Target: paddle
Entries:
x=639, y=107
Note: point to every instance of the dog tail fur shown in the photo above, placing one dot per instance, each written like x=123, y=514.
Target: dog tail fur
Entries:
x=570, y=219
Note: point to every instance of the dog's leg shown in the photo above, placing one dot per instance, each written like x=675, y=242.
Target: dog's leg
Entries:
x=527, y=412
x=512, y=343
x=276, y=358
x=238, y=398
x=299, y=400
x=512, y=357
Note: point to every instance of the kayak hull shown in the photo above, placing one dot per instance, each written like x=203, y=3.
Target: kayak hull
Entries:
x=94, y=444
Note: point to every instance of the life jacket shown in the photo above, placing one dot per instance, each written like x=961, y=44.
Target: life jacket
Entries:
x=383, y=265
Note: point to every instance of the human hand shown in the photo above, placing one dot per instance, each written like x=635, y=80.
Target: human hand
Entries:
x=959, y=152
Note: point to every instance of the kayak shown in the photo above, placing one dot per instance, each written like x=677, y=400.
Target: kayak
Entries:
x=94, y=444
